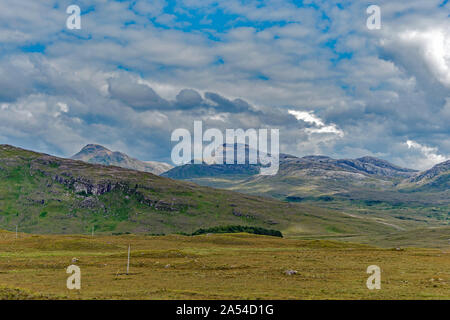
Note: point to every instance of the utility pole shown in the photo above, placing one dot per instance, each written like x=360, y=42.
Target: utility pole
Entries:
x=128, y=263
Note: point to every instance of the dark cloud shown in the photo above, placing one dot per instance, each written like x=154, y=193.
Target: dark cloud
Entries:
x=142, y=97
x=136, y=95
x=188, y=98
x=222, y=104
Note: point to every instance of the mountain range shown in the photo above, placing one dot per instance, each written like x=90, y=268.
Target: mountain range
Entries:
x=298, y=178
x=366, y=184
x=290, y=165
x=360, y=170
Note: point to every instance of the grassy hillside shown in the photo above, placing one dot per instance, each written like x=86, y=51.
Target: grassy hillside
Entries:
x=405, y=210
x=238, y=266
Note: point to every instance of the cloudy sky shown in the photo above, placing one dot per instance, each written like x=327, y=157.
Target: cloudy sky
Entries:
x=137, y=70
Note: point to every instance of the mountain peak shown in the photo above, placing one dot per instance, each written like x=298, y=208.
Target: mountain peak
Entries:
x=316, y=157
x=92, y=150
x=98, y=154
x=94, y=146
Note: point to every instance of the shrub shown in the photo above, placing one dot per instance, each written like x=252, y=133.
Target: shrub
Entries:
x=43, y=214
x=238, y=229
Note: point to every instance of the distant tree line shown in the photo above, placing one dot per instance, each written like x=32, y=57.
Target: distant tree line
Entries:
x=239, y=229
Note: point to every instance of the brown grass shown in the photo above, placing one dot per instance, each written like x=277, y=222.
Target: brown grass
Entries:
x=238, y=266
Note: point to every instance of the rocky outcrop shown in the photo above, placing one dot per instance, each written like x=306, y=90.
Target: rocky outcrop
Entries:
x=84, y=186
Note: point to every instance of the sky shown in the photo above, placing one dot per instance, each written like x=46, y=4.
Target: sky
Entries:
x=137, y=70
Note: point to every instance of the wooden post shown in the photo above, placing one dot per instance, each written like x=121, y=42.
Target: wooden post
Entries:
x=17, y=226
x=92, y=231
x=128, y=263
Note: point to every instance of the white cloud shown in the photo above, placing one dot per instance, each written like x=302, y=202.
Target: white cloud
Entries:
x=63, y=106
x=320, y=126
x=307, y=117
x=431, y=155
x=434, y=47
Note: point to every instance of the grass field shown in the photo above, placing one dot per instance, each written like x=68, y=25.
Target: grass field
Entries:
x=238, y=266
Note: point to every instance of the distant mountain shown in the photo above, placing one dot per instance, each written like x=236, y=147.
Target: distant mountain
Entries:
x=93, y=153
x=432, y=173
x=367, y=166
x=295, y=166
x=217, y=166
x=436, y=178
x=189, y=171
x=310, y=177
x=222, y=152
